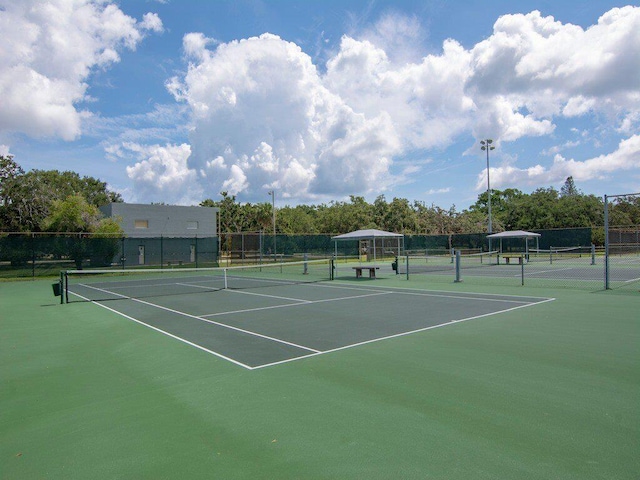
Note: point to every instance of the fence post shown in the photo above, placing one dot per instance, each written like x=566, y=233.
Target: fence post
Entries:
x=123, y=258
x=458, y=279
x=606, y=243
x=33, y=256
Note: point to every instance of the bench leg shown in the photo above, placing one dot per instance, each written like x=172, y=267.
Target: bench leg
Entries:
x=372, y=273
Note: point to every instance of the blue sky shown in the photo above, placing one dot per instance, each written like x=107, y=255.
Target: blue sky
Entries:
x=177, y=101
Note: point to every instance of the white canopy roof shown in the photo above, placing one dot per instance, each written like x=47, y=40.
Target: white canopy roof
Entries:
x=366, y=234
x=514, y=234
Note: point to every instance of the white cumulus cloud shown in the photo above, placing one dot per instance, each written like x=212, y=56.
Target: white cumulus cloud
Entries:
x=264, y=116
x=161, y=173
x=260, y=107
x=626, y=157
x=49, y=50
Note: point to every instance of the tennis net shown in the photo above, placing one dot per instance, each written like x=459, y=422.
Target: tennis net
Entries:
x=100, y=285
x=559, y=254
x=444, y=264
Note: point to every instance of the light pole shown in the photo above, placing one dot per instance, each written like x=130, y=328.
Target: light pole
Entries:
x=273, y=210
x=486, y=146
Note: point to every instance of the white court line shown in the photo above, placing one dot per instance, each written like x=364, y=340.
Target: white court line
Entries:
x=459, y=297
x=200, y=347
x=299, y=300
x=230, y=327
x=119, y=286
x=530, y=274
x=388, y=337
x=438, y=293
x=306, y=302
x=315, y=352
x=484, y=297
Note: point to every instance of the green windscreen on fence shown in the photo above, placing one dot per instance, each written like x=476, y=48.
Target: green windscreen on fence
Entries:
x=33, y=255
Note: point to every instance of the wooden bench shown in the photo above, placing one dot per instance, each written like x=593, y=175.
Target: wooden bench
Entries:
x=372, y=271
x=509, y=257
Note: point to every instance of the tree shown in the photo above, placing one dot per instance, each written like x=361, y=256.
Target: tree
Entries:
x=569, y=188
x=300, y=219
x=73, y=214
x=26, y=198
x=10, y=172
x=231, y=215
x=625, y=211
x=76, y=215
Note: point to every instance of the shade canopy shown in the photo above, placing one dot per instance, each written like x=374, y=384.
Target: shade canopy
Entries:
x=514, y=234
x=366, y=235
x=372, y=242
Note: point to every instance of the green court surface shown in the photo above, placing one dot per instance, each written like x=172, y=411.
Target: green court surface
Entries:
x=357, y=379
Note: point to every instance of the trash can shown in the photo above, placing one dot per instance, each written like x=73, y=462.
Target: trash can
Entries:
x=57, y=289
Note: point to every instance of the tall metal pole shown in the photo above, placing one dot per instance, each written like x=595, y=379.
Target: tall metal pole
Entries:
x=486, y=146
x=273, y=209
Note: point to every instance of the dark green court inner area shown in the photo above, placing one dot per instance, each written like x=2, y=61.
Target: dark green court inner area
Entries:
x=256, y=327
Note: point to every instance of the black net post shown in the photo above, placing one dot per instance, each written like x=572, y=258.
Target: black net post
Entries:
x=606, y=242
x=62, y=289
x=66, y=287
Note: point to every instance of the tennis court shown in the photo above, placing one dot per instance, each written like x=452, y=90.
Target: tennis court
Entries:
x=282, y=372
x=263, y=316
x=572, y=266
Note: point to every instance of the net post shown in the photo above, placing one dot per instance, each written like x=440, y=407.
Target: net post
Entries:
x=522, y=272
x=123, y=259
x=332, y=268
x=606, y=242
x=458, y=280
x=62, y=289
x=593, y=254
x=305, y=268
x=226, y=284
x=33, y=256
x=406, y=265
x=66, y=287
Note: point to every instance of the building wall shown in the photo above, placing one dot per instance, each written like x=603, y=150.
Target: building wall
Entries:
x=164, y=220
x=166, y=235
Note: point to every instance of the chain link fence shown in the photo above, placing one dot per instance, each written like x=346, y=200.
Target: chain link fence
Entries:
x=622, y=244
x=565, y=257
x=45, y=254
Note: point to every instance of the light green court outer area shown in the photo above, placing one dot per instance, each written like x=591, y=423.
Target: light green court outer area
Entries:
x=548, y=392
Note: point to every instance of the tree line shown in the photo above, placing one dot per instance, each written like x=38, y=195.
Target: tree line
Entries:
x=511, y=209
x=50, y=200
